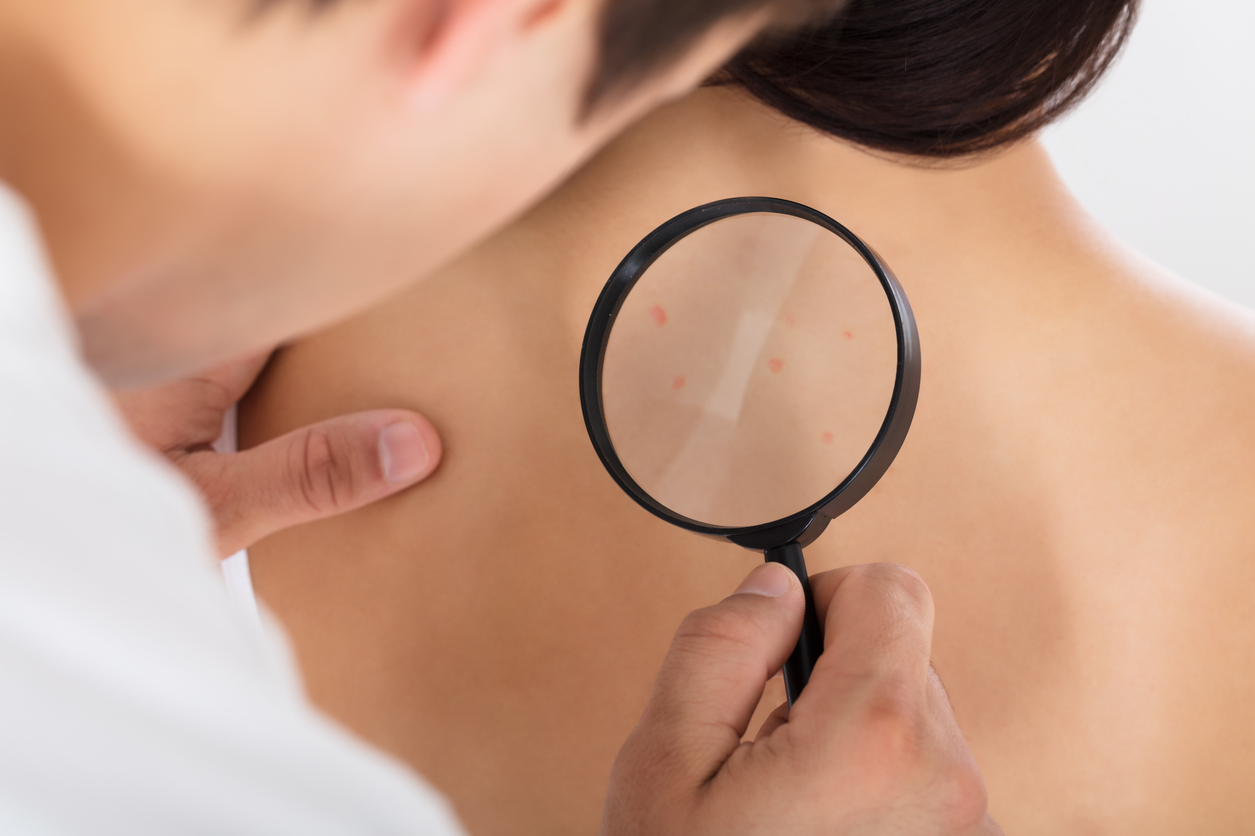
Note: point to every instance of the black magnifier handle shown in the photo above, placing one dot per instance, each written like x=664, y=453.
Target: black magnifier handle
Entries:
x=797, y=670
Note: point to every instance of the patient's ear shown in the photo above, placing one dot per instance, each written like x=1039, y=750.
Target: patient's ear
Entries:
x=448, y=42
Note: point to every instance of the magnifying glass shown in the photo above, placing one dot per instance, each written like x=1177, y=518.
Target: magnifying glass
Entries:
x=749, y=372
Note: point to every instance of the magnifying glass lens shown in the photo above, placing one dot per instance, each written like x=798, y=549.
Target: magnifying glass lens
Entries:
x=749, y=370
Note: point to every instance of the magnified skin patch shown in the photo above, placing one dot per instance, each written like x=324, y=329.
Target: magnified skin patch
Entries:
x=756, y=308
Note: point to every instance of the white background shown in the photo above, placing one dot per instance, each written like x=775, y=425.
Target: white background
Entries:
x=1162, y=151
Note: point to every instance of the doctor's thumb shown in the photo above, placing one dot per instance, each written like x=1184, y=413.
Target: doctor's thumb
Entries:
x=315, y=472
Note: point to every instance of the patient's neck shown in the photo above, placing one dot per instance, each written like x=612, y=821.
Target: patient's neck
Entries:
x=973, y=222
x=751, y=145
x=1000, y=233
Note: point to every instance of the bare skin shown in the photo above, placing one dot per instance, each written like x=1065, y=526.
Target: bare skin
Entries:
x=1076, y=490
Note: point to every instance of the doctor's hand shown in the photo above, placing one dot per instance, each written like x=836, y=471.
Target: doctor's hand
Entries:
x=315, y=472
x=870, y=747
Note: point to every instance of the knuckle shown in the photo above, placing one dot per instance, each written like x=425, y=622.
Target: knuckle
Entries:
x=323, y=471
x=902, y=578
x=900, y=585
x=961, y=800
x=204, y=426
x=895, y=732
x=900, y=752
x=211, y=394
x=715, y=625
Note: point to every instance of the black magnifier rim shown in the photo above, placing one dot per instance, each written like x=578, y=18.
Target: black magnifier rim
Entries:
x=806, y=524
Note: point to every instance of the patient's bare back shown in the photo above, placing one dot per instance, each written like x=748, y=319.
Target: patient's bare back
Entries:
x=1076, y=490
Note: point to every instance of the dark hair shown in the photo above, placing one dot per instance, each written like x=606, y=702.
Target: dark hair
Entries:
x=640, y=38
x=937, y=78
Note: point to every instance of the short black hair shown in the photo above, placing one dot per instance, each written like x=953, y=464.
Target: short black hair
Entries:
x=937, y=78
x=638, y=39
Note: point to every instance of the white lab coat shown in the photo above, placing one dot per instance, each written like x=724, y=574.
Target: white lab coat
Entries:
x=135, y=698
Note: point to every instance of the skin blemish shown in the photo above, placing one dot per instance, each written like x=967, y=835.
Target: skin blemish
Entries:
x=849, y=335
x=659, y=315
x=678, y=381
x=776, y=364
x=790, y=320
x=826, y=438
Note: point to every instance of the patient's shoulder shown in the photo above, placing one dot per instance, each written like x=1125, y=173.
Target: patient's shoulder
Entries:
x=1196, y=352
x=1200, y=341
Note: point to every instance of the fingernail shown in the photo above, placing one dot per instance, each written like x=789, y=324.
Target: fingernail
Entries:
x=402, y=453
x=770, y=579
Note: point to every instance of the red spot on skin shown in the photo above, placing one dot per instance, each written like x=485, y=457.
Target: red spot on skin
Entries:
x=790, y=320
x=826, y=438
x=776, y=364
x=848, y=335
x=678, y=381
x=658, y=315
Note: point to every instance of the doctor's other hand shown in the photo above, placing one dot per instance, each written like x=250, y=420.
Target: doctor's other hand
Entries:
x=311, y=473
x=870, y=747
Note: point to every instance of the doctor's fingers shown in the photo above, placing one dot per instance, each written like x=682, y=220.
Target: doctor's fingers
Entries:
x=312, y=473
x=875, y=698
x=711, y=682
x=186, y=414
x=878, y=619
